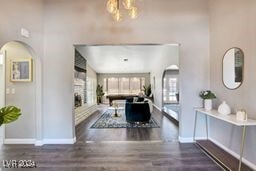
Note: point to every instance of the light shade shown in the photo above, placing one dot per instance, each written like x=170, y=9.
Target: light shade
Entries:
x=128, y=4
x=112, y=6
x=117, y=16
x=133, y=12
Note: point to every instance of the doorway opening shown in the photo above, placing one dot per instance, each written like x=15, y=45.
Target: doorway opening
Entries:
x=171, y=95
x=20, y=71
x=121, y=72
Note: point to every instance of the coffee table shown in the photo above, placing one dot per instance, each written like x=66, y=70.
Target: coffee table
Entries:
x=116, y=111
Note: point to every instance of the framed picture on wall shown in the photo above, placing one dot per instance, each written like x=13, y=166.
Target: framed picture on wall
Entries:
x=21, y=70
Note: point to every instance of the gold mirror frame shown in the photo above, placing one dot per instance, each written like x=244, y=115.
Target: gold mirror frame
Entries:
x=242, y=68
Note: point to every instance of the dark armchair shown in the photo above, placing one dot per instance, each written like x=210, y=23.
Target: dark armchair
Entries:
x=137, y=111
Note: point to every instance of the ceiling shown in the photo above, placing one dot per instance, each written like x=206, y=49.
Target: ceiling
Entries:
x=141, y=58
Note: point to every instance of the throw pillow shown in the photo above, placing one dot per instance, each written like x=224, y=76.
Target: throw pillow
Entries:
x=140, y=99
x=129, y=99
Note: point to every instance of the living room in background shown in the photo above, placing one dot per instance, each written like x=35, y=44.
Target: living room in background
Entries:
x=123, y=83
x=84, y=89
x=127, y=72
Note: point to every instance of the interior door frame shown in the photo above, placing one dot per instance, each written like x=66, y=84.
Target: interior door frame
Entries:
x=2, y=128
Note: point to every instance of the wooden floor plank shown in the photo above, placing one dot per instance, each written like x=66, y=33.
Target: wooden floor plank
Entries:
x=118, y=156
x=229, y=161
x=146, y=149
x=167, y=132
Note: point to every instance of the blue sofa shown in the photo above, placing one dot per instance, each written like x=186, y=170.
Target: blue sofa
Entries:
x=137, y=111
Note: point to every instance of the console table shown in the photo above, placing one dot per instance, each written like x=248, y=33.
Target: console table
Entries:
x=229, y=119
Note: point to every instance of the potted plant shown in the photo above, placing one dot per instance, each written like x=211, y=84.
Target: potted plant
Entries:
x=99, y=93
x=9, y=114
x=147, y=90
x=207, y=96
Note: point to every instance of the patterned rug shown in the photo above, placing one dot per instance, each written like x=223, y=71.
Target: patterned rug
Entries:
x=107, y=120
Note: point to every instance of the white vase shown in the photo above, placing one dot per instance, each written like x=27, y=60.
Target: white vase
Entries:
x=224, y=108
x=208, y=104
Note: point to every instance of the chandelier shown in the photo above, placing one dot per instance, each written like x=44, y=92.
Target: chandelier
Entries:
x=113, y=7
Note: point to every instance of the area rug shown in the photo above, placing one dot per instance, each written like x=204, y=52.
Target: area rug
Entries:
x=107, y=120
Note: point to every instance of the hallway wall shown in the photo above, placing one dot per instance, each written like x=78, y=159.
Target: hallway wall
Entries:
x=14, y=15
x=55, y=26
x=77, y=22
x=23, y=90
x=233, y=24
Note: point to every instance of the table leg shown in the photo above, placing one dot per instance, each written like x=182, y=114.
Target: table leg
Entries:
x=242, y=147
x=206, y=124
x=194, y=135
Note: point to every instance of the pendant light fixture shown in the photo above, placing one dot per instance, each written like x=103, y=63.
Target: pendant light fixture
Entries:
x=113, y=7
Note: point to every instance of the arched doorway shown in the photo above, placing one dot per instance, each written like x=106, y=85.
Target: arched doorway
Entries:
x=170, y=93
x=23, y=91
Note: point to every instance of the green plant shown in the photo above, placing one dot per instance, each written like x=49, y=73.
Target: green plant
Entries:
x=9, y=114
x=147, y=90
x=99, y=93
x=207, y=94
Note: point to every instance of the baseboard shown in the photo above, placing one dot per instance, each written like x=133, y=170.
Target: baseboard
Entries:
x=158, y=108
x=19, y=141
x=74, y=140
x=248, y=163
x=189, y=139
x=39, y=143
x=59, y=141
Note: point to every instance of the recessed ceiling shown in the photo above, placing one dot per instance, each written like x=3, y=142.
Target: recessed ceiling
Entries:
x=140, y=58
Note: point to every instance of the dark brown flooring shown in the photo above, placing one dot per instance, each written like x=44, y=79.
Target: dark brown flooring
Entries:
x=116, y=150
x=168, y=131
x=230, y=162
x=112, y=157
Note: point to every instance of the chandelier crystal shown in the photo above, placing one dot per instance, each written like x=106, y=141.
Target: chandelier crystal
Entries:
x=113, y=7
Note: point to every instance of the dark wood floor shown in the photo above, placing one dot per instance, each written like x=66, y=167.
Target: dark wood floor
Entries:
x=116, y=150
x=139, y=156
x=224, y=158
x=168, y=131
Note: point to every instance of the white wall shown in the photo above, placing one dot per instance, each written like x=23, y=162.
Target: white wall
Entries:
x=67, y=23
x=14, y=15
x=77, y=22
x=233, y=24
x=169, y=57
x=101, y=76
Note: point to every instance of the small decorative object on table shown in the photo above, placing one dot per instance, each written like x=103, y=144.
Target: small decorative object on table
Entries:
x=207, y=96
x=241, y=115
x=224, y=108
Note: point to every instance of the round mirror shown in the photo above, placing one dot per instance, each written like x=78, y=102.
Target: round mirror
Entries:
x=233, y=64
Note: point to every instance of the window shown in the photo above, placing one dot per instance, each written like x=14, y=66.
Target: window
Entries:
x=124, y=85
x=135, y=85
x=105, y=85
x=113, y=86
x=165, y=91
x=142, y=82
x=91, y=90
x=170, y=88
